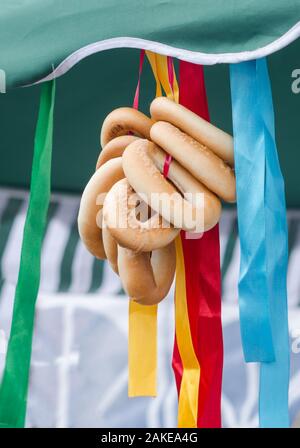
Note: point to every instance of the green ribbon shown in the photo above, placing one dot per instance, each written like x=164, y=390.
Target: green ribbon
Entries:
x=14, y=387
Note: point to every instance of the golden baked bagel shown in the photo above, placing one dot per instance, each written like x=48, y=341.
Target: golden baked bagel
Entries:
x=114, y=148
x=221, y=143
x=146, y=276
x=130, y=213
x=89, y=216
x=143, y=163
x=120, y=217
x=122, y=121
x=199, y=160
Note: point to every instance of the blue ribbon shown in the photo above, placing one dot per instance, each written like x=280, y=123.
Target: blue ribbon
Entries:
x=263, y=238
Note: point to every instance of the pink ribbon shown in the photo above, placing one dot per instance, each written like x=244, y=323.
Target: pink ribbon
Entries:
x=137, y=91
x=168, y=158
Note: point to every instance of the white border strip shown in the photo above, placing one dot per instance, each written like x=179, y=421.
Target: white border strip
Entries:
x=179, y=53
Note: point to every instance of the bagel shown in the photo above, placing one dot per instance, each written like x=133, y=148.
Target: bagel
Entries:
x=88, y=220
x=221, y=143
x=142, y=164
x=122, y=121
x=114, y=148
x=199, y=160
x=147, y=278
x=119, y=214
x=141, y=211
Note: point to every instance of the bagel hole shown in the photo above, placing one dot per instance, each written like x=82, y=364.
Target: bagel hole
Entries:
x=142, y=211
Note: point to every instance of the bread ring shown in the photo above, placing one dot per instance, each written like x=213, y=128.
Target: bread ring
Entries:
x=122, y=121
x=141, y=248
x=221, y=143
x=147, y=278
x=200, y=161
x=114, y=148
x=89, y=225
x=119, y=214
x=142, y=163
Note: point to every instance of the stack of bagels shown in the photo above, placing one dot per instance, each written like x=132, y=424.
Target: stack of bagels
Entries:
x=131, y=173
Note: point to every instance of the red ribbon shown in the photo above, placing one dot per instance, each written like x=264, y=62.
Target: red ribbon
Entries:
x=203, y=282
x=167, y=164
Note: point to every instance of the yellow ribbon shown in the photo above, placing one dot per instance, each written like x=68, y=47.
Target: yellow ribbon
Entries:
x=159, y=65
x=143, y=320
x=153, y=62
x=189, y=389
x=142, y=330
x=142, y=350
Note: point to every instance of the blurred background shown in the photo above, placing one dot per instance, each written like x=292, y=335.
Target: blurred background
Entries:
x=79, y=361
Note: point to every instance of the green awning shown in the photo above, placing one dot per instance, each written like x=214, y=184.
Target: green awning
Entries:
x=36, y=36
x=42, y=38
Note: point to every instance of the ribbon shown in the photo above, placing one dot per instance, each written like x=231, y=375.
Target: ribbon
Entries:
x=203, y=281
x=163, y=69
x=137, y=91
x=171, y=79
x=167, y=165
x=176, y=360
x=142, y=350
x=190, y=375
x=188, y=365
x=263, y=238
x=250, y=166
x=142, y=341
x=189, y=383
x=142, y=327
x=153, y=63
x=14, y=387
